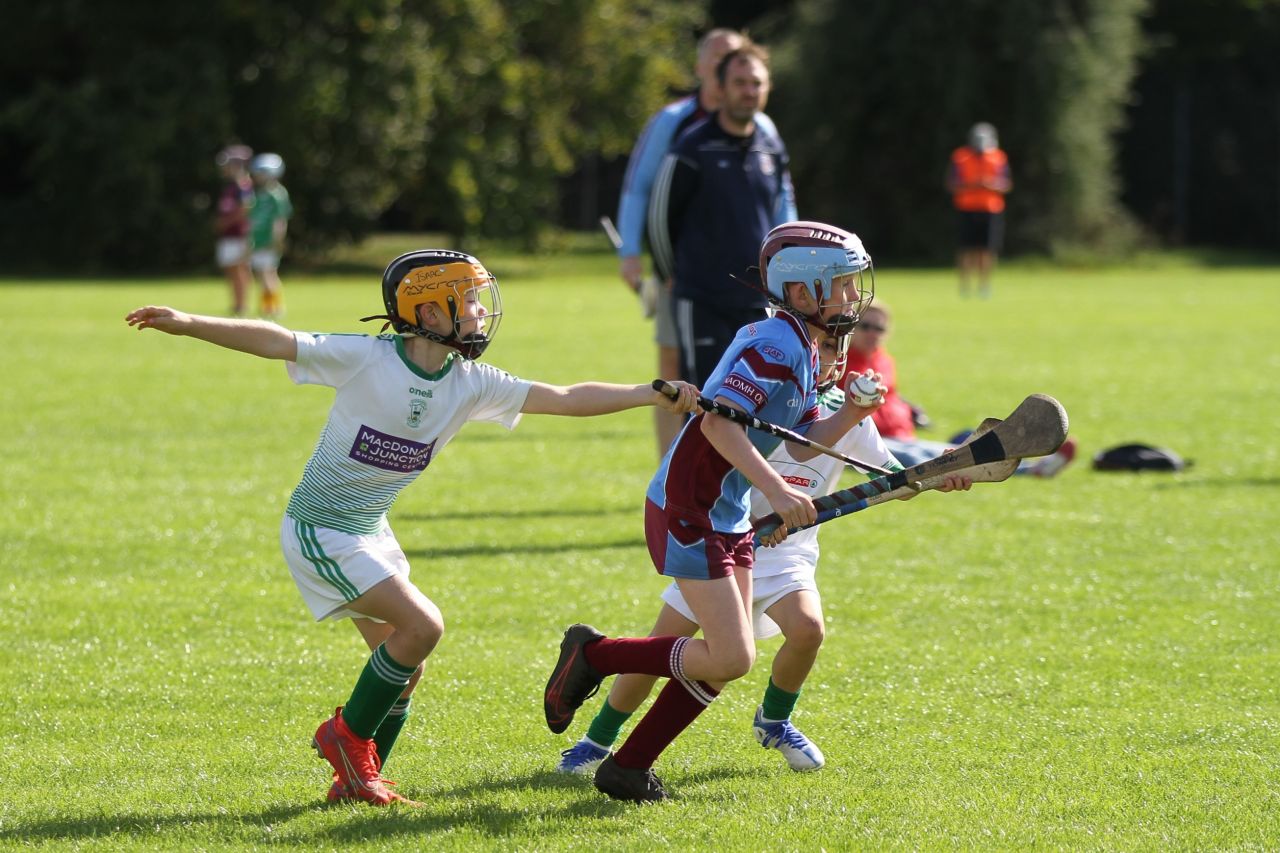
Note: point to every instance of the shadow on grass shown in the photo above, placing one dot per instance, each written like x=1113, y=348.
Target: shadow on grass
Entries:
x=568, y=512
x=499, y=822
x=495, y=549
x=461, y=807
x=148, y=826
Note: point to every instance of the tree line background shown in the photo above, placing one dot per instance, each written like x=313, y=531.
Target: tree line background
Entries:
x=1127, y=122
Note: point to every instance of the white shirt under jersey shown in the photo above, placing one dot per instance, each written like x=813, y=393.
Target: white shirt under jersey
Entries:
x=816, y=477
x=389, y=419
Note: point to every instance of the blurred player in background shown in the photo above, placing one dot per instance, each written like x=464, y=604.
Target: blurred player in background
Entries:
x=232, y=223
x=400, y=399
x=268, y=222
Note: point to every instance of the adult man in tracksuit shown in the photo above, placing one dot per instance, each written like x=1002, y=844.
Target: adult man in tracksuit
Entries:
x=634, y=210
x=724, y=185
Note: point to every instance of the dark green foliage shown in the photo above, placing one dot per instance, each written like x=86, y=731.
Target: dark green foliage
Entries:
x=532, y=87
x=1201, y=157
x=872, y=101
x=114, y=110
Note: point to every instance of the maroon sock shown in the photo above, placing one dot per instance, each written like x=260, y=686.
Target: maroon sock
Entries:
x=678, y=705
x=642, y=655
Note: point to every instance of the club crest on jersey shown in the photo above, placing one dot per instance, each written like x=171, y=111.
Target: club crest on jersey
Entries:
x=766, y=164
x=417, y=408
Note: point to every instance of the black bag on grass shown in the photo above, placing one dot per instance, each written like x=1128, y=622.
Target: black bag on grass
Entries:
x=1139, y=457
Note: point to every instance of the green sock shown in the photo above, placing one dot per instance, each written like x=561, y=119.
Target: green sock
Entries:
x=778, y=703
x=385, y=737
x=606, y=726
x=380, y=685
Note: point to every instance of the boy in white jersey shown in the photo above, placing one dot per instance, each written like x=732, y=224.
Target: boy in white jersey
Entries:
x=400, y=399
x=784, y=589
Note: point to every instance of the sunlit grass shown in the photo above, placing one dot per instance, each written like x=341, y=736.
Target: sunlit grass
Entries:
x=1084, y=662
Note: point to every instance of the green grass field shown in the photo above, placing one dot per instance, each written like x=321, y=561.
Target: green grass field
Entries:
x=1086, y=662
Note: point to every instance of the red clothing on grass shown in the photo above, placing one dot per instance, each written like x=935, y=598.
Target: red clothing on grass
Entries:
x=893, y=419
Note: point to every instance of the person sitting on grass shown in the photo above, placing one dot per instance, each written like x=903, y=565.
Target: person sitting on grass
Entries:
x=400, y=399
x=785, y=599
x=896, y=417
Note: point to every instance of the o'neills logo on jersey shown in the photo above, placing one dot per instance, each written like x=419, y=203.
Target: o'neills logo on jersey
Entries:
x=802, y=482
x=746, y=388
x=389, y=452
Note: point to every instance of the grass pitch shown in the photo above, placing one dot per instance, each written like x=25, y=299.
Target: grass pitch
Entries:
x=1087, y=662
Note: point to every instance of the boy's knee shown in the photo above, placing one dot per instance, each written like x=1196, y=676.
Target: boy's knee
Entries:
x=808, y=634
x=424, y=631
x=736, y=664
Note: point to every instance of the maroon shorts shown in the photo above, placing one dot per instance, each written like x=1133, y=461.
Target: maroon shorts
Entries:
x=680, y=549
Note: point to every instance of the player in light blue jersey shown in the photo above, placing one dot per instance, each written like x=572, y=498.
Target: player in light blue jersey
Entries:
x=785, y=596
x=697, y=521
x=399, y=400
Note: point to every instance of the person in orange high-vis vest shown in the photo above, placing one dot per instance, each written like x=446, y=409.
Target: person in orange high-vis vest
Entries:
x=978, y=179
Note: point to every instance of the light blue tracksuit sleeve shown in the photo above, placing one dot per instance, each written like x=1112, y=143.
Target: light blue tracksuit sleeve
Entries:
x=646, y=158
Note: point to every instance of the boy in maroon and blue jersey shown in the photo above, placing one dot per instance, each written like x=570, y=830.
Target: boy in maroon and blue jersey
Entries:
x=767, y=371
x=697, y=515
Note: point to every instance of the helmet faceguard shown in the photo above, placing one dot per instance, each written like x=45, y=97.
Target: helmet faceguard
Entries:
x=830, y=262
x=452, y=282
x=831, y=365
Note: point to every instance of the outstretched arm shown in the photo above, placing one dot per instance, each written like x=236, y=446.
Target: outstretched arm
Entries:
x=256, y=337
x=599, y=398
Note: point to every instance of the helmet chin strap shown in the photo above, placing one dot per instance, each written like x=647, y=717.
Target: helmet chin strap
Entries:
x=468, y=346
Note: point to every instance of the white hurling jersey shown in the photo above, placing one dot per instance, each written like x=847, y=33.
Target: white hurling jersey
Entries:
x=816, y=477
x=389, y=419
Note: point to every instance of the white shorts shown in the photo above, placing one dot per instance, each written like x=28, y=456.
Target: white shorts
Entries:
x=331, y=568
x=232, y=251
x=264, y=259
x=765, y=592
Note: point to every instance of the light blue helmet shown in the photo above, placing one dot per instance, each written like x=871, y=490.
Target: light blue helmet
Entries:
x=271, y=165
x=813, y=254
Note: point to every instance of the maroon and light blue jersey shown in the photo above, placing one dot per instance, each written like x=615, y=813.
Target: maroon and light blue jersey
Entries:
x=769, y=370
x=236, y=196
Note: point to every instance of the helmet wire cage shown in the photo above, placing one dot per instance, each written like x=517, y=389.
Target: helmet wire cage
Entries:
x=829, y=372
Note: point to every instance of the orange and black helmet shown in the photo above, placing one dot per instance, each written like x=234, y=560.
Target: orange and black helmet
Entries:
x=448, y=280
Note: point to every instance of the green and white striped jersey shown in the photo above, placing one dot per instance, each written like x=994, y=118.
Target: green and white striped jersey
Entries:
x=389, y=420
